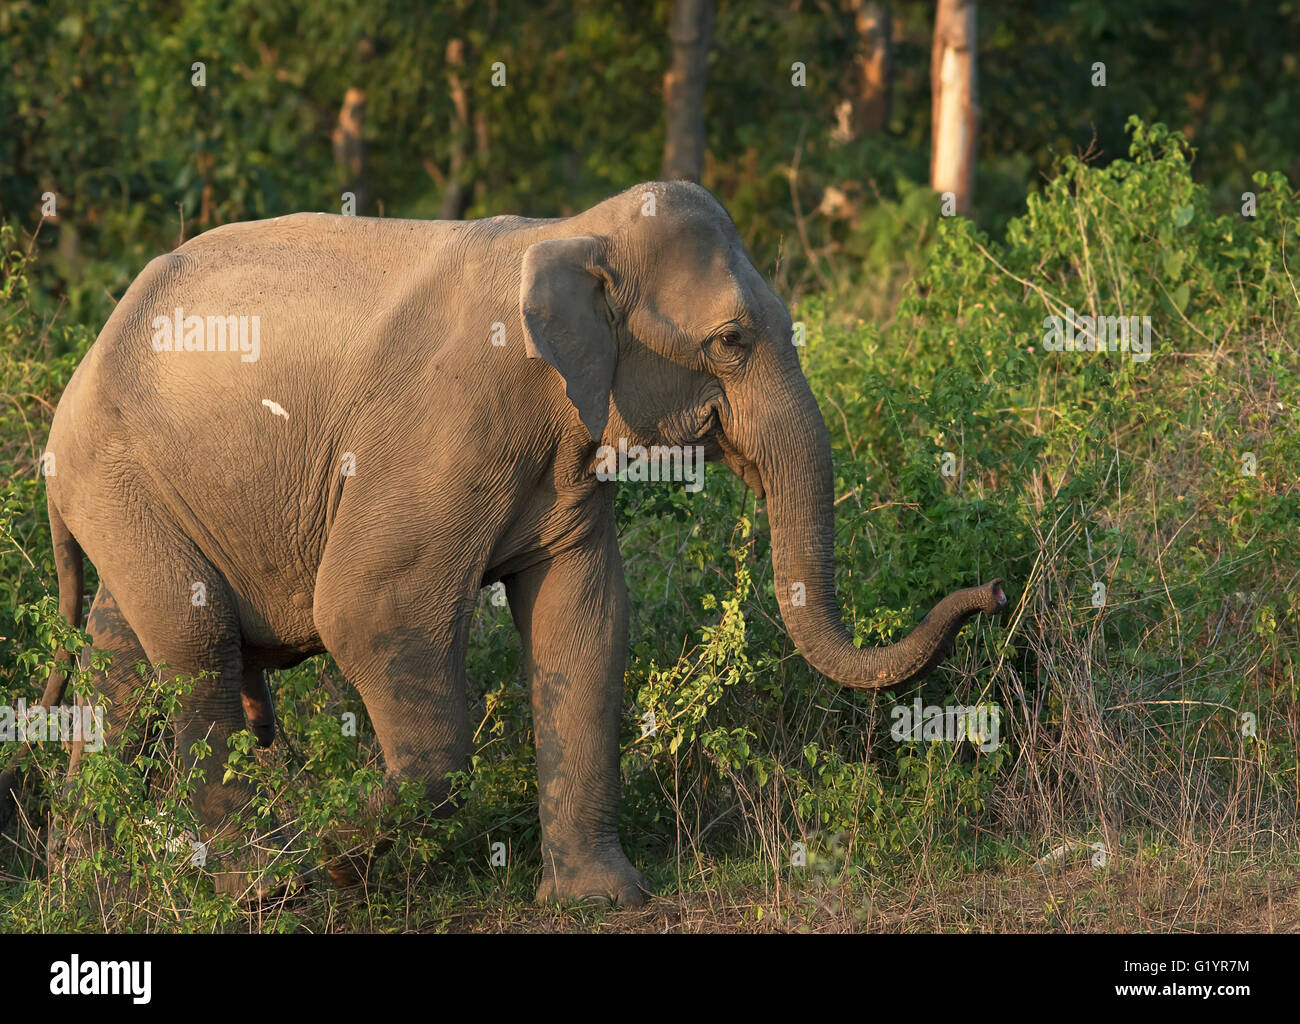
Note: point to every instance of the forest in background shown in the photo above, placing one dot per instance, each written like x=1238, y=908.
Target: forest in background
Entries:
x=963, y=450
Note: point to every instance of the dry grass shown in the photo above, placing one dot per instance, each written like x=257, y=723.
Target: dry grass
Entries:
x=1156, y=895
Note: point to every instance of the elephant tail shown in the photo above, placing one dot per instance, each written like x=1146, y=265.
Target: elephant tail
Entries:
x=69, y=561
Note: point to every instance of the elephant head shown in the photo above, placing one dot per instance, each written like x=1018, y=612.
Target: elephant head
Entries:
x=665, y=333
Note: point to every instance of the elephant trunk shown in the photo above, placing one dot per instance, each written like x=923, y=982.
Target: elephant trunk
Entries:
x=799, y=486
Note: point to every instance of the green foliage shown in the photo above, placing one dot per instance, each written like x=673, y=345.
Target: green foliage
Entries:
x=31, y=380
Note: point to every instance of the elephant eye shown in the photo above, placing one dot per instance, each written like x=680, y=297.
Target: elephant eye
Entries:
x=729, y=346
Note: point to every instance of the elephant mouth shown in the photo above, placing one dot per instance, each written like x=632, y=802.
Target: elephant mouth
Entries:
x=718, y=448
x=737, y=463
x=709, y=434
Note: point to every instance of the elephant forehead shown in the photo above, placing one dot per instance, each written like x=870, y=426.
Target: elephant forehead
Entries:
x=713, y=281
x=673, y=325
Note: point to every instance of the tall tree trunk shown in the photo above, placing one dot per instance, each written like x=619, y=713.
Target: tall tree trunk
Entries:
x=349, y=153
x=870, y=78
x=692, y=35
x=953, y=102
x=460, y=189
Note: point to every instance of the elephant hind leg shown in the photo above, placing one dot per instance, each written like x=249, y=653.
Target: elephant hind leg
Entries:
x=185, y=615
x=415, y=695
x=115, y=686
x=412, y=680
x=398, y=629
x=416, y=702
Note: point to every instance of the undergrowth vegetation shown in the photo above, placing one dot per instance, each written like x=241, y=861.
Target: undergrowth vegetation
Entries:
x=1143, y=513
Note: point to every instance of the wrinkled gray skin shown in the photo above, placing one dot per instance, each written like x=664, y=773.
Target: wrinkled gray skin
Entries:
x=473, y=463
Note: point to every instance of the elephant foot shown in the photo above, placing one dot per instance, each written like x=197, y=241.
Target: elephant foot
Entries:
x=349, y=855
x=346, y=872
x=257, y=886
x=610, y=880
x=266, y=869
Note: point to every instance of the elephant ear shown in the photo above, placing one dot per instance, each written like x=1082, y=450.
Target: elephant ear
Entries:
x=567, y=321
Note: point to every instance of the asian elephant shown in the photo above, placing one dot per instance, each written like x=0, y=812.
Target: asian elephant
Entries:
x=325, y=433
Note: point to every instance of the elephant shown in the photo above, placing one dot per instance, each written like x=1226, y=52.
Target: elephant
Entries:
x=321, y=433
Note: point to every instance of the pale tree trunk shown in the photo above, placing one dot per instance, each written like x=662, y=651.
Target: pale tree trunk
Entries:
x=869, y=81
x=460, y=189
x=691, y=33
x=953, y=102
x=349, y=153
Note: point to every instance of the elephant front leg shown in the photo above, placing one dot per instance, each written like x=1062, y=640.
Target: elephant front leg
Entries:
x=572, y=616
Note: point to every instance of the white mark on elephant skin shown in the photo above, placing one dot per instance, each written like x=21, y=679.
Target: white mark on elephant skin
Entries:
x=276, y=408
